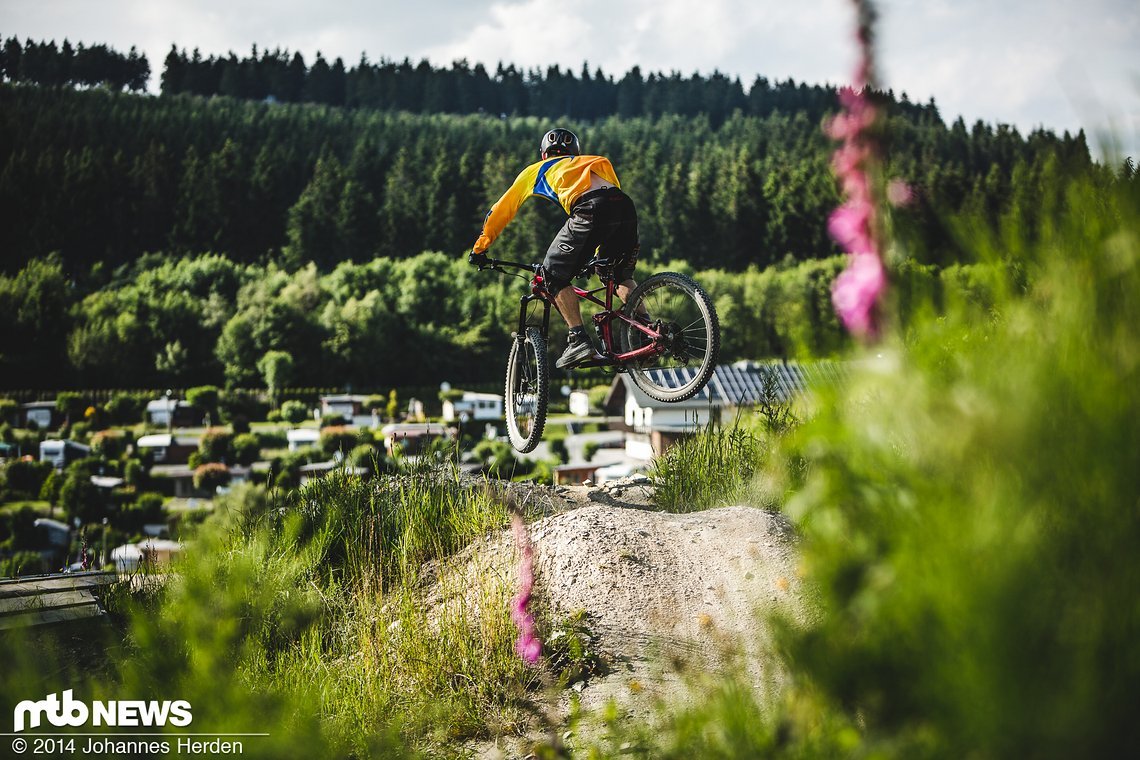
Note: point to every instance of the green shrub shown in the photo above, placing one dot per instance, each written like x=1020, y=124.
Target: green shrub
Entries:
x=209, y=476
x=246, y=449
x=26, y=477
x=333, y=420
x=79, y=498
x=23, y=563
x=216, y=445
x=108, y=444
x=368, y=456
x=337, y=438
x=272, y=439
x=238, y=408
x=71, y=405
x=49, y=491
x=124, y=409
x=205, y=399
x=499, y=460
x=8, y=411
x=79, y=432
x=294, y=412
x=18, y=529
x=134, y=472
x=146, y=509
x=597, y=396
x=286, y=470
x=274, y=415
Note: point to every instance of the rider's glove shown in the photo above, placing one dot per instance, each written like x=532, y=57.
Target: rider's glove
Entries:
x=478, y=259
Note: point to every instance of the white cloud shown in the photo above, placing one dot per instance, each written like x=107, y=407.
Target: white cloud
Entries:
x=774, y=39
x=532, y=33
x=1018, y=63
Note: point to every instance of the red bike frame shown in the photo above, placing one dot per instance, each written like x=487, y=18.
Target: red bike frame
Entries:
x=603, y=320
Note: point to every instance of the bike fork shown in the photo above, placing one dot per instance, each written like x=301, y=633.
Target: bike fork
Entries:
x=524, y=301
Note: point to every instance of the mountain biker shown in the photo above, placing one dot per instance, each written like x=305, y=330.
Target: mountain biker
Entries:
x=601, y=217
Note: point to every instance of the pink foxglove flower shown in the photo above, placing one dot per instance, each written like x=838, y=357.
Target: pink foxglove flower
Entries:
x=528, y=646
x=856, y=291
x=853, y=225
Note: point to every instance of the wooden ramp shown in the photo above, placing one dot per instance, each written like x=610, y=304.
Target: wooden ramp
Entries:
x=43, y=599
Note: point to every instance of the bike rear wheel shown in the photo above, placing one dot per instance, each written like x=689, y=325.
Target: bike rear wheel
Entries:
x=528, y=379
x=679, y=309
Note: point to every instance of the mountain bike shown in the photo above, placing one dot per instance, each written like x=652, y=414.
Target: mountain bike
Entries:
x=666, y=337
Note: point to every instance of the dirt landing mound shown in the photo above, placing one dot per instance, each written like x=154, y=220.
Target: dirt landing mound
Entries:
x=665, y=592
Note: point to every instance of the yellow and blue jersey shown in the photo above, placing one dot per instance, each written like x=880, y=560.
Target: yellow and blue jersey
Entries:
x=562, y=179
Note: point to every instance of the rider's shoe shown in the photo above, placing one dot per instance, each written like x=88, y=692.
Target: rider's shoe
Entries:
x=578, y=349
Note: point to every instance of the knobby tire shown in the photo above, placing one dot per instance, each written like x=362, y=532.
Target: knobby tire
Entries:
x=694, y=318
x=528, y=380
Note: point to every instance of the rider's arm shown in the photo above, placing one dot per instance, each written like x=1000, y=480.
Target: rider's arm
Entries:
x=506, y=207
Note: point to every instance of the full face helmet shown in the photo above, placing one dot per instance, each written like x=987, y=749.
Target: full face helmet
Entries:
x=560, y=142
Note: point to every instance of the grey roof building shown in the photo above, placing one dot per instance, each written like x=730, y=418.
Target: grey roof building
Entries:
x=654, y=425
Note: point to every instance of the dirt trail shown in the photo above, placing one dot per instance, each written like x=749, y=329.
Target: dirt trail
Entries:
x=662, y=593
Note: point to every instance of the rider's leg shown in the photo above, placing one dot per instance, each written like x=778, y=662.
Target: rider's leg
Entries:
x=567, y=253
x=623, y=292
x=625, y=240
x=567, y=302
x=578, y=345
x=624, y=289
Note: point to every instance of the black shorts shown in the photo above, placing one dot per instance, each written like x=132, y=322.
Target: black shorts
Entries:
x=602, y=220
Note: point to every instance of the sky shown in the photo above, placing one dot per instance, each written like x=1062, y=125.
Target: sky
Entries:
x=1061, y=64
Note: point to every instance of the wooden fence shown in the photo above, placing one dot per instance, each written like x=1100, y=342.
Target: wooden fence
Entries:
x=43, y=599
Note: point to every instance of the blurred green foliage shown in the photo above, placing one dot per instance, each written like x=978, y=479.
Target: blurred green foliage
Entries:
x=967, y=506
x=972, y=500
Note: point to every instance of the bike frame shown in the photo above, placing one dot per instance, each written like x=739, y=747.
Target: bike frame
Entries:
x=603, y=320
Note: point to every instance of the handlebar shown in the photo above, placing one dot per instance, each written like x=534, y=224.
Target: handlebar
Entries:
x=497, y=265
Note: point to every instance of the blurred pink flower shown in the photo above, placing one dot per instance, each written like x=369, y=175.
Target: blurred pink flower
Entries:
x=848, y=225
x=856, y=291
x=853, y=225
x=899, y=193
x=528, y=646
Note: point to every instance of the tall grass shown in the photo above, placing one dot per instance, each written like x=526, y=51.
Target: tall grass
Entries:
x=711, y=468
x=338, y=617
x=716, y=465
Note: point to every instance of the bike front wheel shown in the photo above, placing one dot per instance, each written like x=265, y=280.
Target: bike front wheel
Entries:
x=681, y=312
x=528, y=379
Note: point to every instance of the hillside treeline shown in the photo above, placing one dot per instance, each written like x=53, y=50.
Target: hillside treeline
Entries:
x=103, y=177
x=462, y=88
x=42, y=63
x=162, y=322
